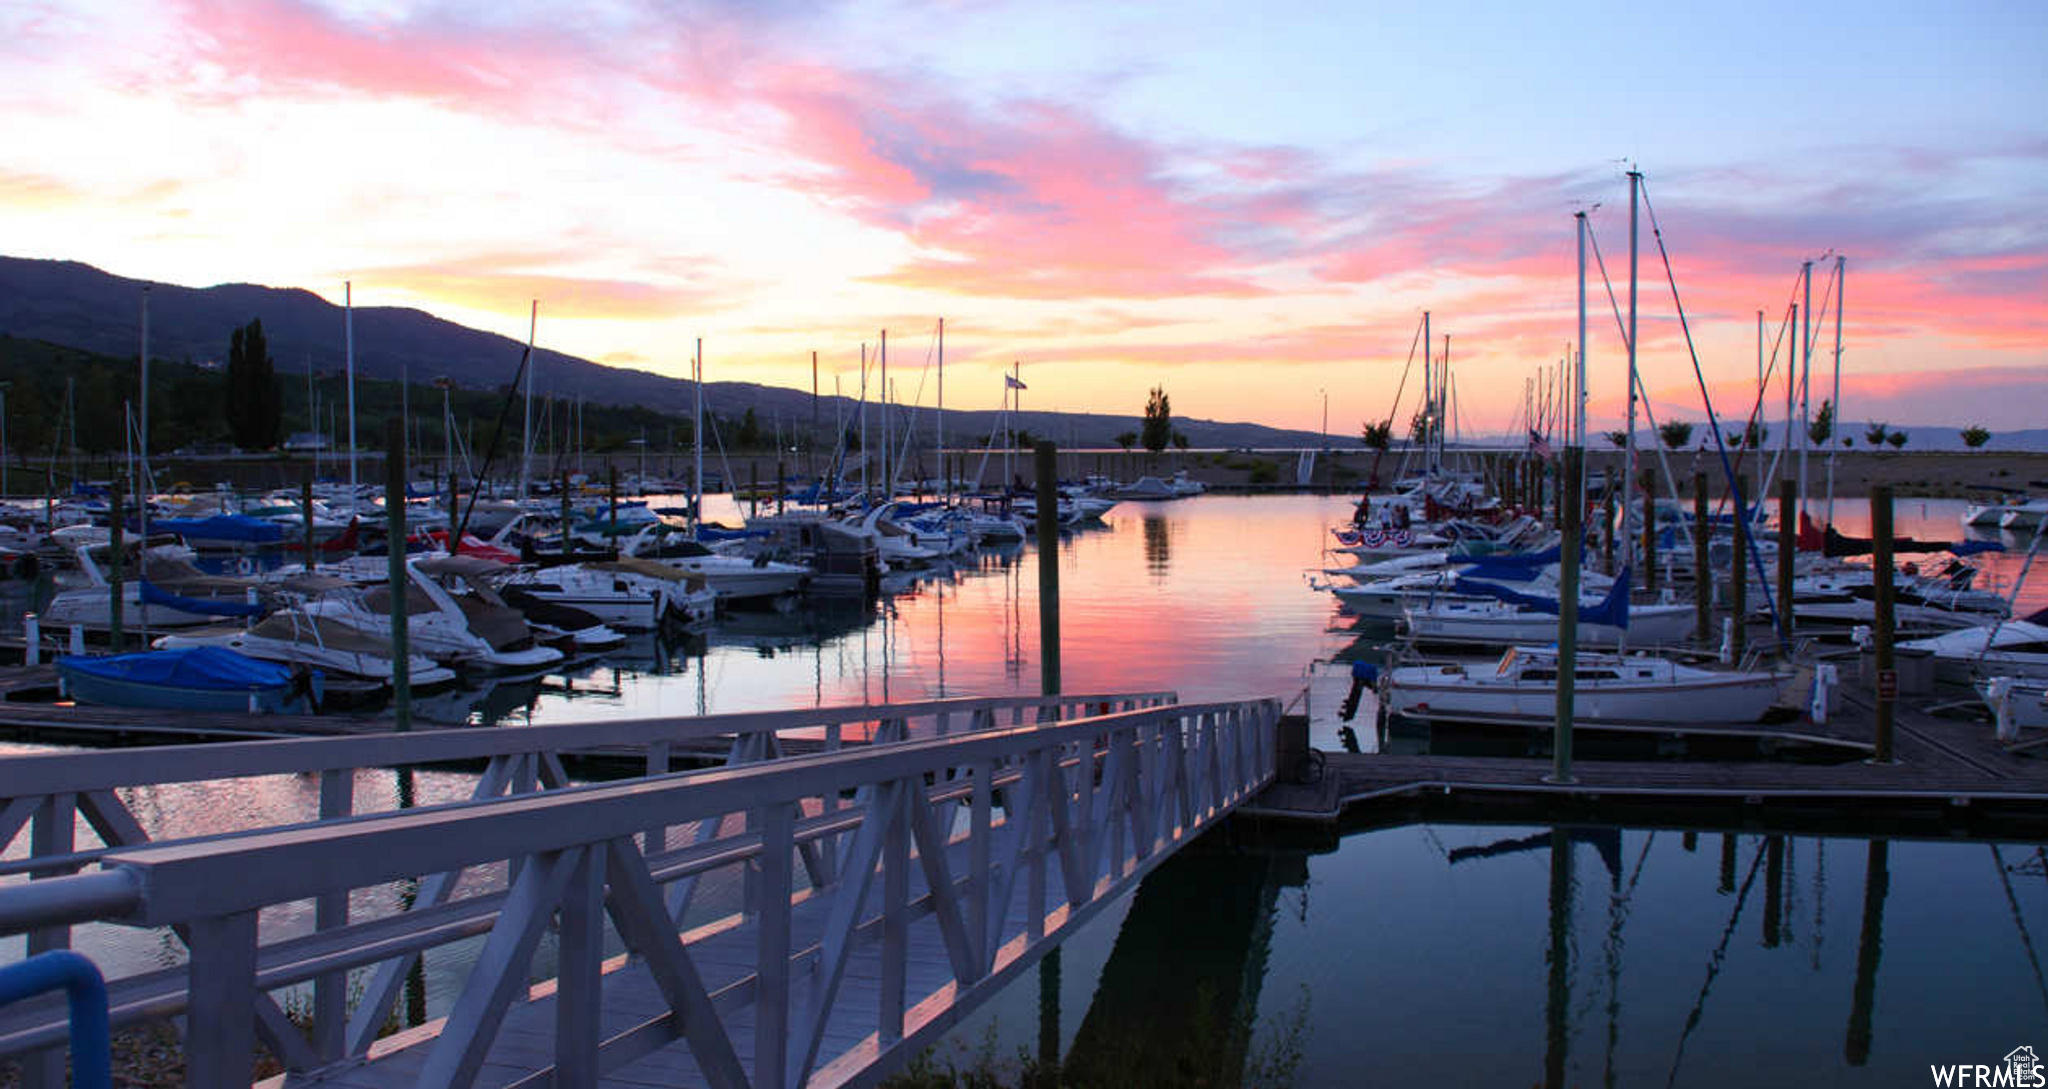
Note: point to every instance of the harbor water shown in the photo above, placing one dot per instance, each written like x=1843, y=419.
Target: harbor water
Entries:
x=1418, y=953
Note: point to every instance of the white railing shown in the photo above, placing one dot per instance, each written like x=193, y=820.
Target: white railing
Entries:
x=50, y=795
x=931, y=868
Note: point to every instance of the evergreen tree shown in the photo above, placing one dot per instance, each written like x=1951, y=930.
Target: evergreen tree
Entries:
x=254, y=400
x=1158, y=429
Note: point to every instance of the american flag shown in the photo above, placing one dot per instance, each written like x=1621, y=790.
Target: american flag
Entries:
x=1536, y=444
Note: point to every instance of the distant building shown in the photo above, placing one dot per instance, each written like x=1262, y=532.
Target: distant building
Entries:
x=306, y=440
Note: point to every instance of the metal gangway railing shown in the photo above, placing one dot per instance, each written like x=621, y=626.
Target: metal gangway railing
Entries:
x=52, y=795
x=746, y=899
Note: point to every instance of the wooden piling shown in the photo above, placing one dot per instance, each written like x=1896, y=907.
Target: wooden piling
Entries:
x=1569, y=507
x=1738, y=583
x=1649, y=530
x=1047, y=455
x=394, y=512
x=1702, y=571
x=1788, y=548
x=1881, y=569
x=116, y=526
x=306, y=515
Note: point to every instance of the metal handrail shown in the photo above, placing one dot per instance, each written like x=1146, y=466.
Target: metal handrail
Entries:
x=92, y=1064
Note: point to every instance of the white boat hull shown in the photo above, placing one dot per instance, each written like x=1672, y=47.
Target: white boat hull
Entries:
x=1483, y=625
x=1740, y=697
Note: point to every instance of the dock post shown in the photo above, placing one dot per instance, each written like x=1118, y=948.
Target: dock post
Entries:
x=1649, y=530
x=1738, y=582
x=781, y=485
x=1046, y=456
x=1726, y=881
x=568, y=515
x=1881, y=569
x=611, y=472
x=754, y=487
x=1788, y=548
x=1702, y=571
x=1558, y=991
x=32, y=640
x=116, y=519
x=306, y=516
x=394, y=512
x=1568, y=506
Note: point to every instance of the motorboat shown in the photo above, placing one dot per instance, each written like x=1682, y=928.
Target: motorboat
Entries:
x=732, y=578
x=2015, y=704
x=438, y=625
x=2024, y=515
x=171, y=593
x=630, y=594
x=1148, y=488
x=210, y=679
x=1607, y=688
x=2019, y=648
x=294, y=637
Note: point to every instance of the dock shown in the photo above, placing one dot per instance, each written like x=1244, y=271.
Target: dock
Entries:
x=1951, y=768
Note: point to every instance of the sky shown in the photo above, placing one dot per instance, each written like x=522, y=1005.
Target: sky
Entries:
x=1249, y=208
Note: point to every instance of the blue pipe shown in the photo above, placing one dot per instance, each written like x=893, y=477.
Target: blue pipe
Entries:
x=91, y=1055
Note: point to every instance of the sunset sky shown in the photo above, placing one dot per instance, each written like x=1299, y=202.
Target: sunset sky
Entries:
x=1247, y=204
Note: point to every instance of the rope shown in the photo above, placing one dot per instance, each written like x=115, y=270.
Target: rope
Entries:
x=1742, y=515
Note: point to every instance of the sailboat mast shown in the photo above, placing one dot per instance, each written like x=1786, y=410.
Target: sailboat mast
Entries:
x=348, y=351
x=945, y=477
x=888, y=447
x=1805, y=382
x=532, y=364
x=1628, y=445
x=1428, y=393
x=697, y=440
x=867, y=452
x=1835, y=405
x=143, y=501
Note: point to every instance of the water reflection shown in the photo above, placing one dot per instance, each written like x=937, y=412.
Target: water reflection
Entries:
x=1158, y=544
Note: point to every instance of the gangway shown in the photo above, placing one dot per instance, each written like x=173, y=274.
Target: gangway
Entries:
x=794, y=920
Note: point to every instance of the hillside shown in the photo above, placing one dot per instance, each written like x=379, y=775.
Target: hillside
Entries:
x=76, y=305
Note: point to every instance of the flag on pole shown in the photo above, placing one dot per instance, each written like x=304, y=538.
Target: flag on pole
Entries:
x=1537, y=446
x=1011, y=381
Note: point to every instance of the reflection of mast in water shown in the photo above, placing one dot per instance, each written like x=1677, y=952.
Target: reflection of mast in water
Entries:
x=1720, y=954
x=2026, y=940
x=939, y=589
x=1877, y=882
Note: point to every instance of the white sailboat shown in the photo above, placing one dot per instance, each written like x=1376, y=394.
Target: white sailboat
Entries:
x=1608, y=688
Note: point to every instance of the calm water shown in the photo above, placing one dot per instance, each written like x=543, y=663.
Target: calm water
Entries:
x=1416, y=953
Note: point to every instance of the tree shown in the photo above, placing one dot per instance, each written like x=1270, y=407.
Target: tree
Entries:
x=1874, y=435
x=1127, y=440
x=748, y=435
x=1180, y=442
x=1675, y=433
x=1419, y=427
x=253, y=397
x=1822, y=428
x=1896, y=438
x=1755, y=435
x=1618, y=438
x=1158, y=429
x=1379, y=436
x=1975, y=436
x=1022, y=439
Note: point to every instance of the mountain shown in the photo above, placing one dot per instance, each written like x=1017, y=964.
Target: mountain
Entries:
x=75, y=304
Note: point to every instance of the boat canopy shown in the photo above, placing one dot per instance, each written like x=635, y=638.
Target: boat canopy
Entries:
x=213, y=669
x=1612, y=609
x=152, y=594
x=239, y=528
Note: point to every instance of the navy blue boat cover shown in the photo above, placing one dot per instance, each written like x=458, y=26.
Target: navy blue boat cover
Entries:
x=214, y=669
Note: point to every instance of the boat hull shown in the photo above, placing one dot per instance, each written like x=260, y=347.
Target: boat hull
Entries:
x=1742, y=698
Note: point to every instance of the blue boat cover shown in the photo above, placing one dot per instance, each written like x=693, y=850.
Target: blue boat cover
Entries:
x=239, y=528
x=1510, y=566
x=152, y=595
x=211, y=669
x=1612, y=609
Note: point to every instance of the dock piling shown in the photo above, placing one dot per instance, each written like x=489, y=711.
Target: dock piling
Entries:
x=1702, y=571
x=1569, y=505
x=1881, y=569
x=1788, y=549
x=394, y=512
x=1738, y=573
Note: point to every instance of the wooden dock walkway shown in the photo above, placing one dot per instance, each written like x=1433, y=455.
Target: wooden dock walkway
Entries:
x=1939, y=762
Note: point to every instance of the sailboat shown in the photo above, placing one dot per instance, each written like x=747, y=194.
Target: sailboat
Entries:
x=1609, y=688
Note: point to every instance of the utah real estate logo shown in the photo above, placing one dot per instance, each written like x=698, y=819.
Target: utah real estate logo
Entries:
x=2021, y=1069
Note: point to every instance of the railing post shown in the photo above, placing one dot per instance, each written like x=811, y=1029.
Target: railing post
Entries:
x=330, y=910
x=895, y=910
x=772, y=990
x=220, y=1043
x=52, y=833
x=579, y=976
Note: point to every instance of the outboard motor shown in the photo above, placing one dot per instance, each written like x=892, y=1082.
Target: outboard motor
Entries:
x=1363, y=676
